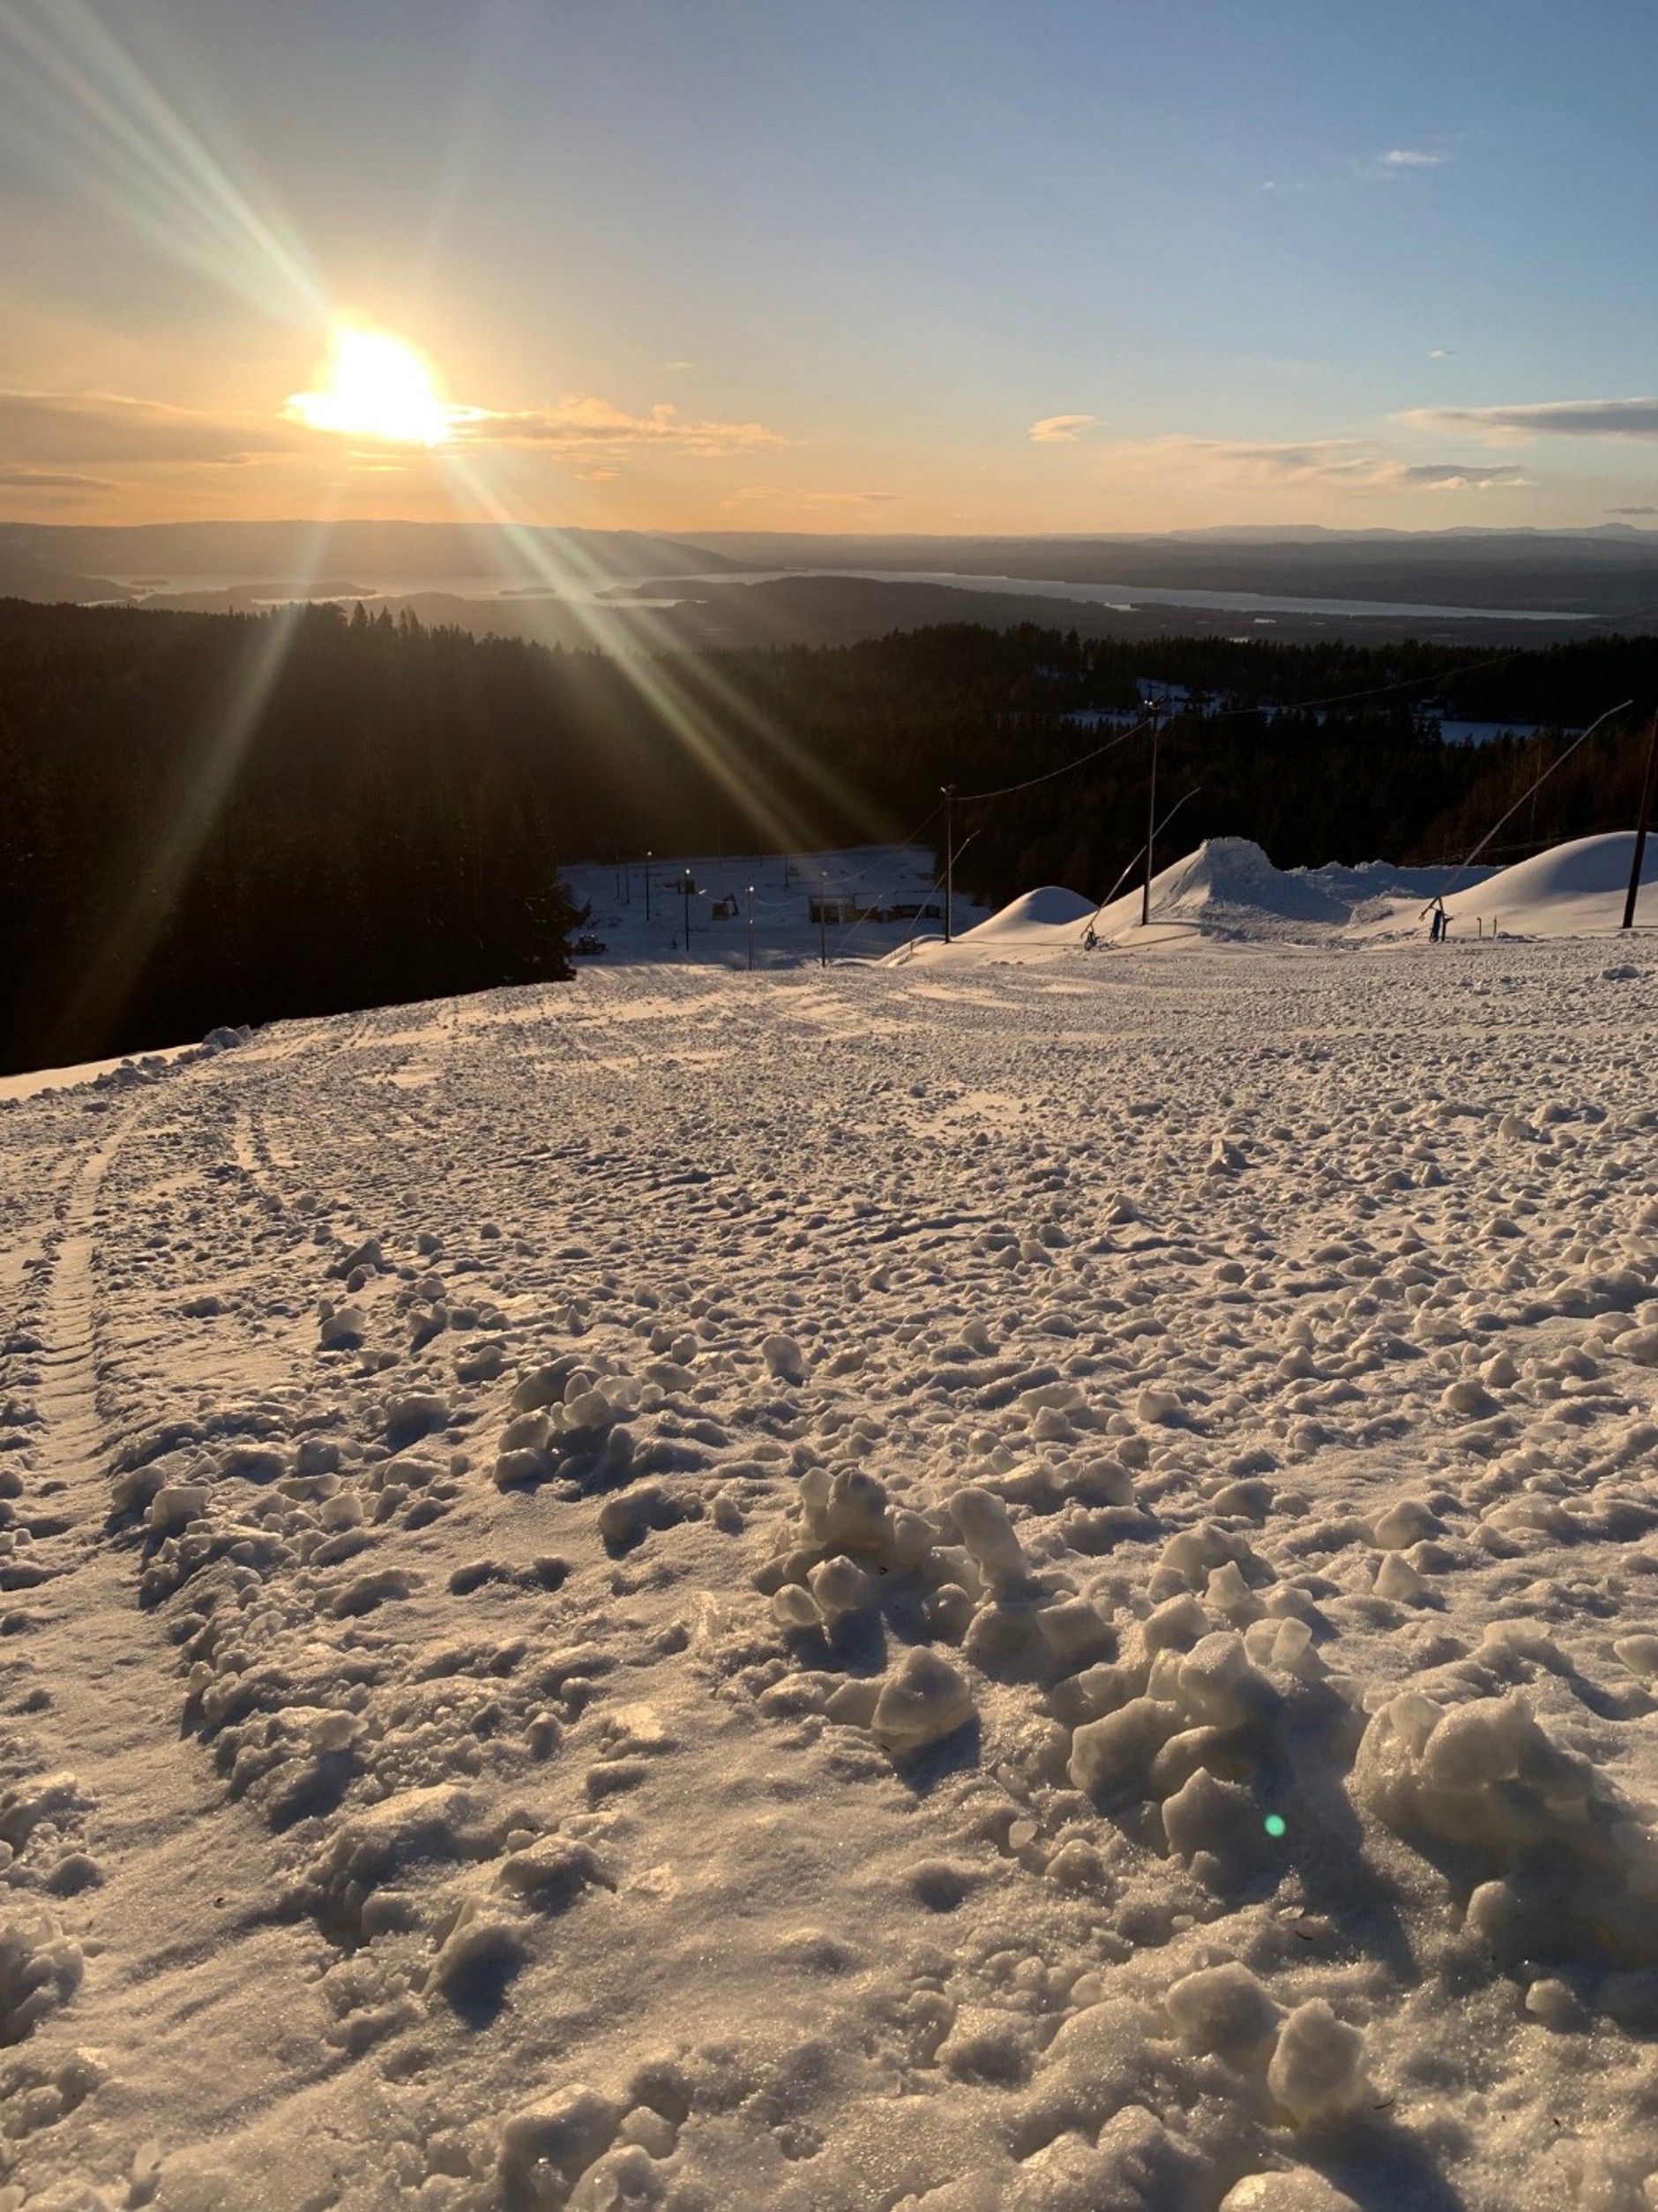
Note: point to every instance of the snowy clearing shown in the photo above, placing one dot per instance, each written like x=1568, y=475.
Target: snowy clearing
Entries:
x=931, y=1586
x=875, y=900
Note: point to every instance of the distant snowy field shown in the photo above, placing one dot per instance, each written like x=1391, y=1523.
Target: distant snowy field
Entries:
x=953, y=1586
x=858, y=889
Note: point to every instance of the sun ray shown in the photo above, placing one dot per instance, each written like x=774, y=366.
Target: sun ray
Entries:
x=89, y=104
x=108, y=980
x=708, y=726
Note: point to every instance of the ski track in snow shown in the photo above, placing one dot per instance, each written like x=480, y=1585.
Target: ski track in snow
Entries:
x=698, y=1590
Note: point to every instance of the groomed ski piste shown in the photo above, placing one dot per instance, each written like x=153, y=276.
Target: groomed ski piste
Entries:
x=985, y=1582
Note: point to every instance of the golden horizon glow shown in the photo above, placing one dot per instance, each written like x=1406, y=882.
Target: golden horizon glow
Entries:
x=374, y=385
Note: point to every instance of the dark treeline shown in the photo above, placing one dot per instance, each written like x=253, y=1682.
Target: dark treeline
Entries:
x=1318, y=753
x=215, y=820
x=227, y=819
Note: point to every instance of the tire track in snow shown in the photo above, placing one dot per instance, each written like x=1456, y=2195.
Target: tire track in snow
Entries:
x=162, y=1958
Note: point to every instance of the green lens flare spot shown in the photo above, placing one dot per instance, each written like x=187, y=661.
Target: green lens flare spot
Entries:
x=1274, y=1825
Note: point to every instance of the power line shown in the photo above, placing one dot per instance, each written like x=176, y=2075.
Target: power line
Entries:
x=1231, y=714
x=1406, y=683
x=852, y=929
x=1582, y=739
x=973, y=799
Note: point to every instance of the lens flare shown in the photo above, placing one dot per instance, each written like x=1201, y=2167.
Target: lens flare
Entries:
x=376, y=385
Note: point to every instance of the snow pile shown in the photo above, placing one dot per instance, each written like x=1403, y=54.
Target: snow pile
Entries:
x=1051, y=909
x=1574, y=890
x=1231, y=885
x=1228, y=892
x=1571, y=1871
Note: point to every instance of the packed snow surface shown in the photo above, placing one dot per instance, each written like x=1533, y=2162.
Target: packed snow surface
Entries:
x=931, y=1588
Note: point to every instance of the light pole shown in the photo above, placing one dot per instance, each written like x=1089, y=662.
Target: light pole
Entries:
x=686, y=888
x=949, y=857
x=648, y=883
x=823, y=919
x=751, y=928
x=1650, y=779
x=1151, y=825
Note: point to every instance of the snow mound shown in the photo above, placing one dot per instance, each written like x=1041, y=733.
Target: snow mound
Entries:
x=1570, y=891
x=1233, y=873
x=1228, y=891
x=1050, y=908
x=1559, y=1867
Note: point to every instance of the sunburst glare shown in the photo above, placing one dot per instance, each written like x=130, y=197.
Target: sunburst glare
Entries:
x=376, y=385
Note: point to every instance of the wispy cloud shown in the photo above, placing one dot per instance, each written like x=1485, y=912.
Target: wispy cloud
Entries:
x=1339, y=464
x=1062, y=429
x=1546, y=418
x=59, y=430
x=1458, y=476
x=65, y=431
x=1632, y=511
x=773, y=495
x=587, y=425
x=1406, y=157
x=51, y=480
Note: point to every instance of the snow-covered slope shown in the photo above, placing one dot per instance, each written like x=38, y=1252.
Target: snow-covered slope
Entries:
x=931, y=1588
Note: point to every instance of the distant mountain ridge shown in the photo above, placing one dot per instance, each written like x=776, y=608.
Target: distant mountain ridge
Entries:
x=384, y=549
x=48, y=585
x=1604, y=578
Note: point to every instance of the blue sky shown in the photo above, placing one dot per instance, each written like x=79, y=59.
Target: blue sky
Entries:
x=930, y=264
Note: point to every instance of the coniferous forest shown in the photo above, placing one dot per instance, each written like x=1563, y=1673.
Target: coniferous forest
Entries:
x=225, y=818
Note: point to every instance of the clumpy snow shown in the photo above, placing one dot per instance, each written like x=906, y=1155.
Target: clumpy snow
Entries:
x=931, y=1588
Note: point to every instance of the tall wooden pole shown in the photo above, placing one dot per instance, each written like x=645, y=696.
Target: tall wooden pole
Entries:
x=1640, y=827
x=950, y=857
x=1151, y=827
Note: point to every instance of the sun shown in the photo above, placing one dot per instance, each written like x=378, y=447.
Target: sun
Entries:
x=376, y=385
